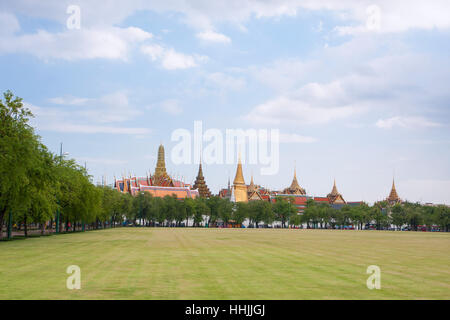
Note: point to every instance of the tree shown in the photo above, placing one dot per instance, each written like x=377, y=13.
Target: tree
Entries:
x=213, y=204
x=225, y=210
x=190, y=209
x=283, y=209
x=240, y=212
x=378, y=216
x=180, y=213
x=201, y=210
x=398, y=216
x=18, y=147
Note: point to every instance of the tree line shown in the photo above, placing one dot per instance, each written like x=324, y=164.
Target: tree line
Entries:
x=215, y=211
x=45, y=191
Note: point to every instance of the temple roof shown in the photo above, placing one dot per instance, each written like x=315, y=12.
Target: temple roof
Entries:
x=334, y=195
x=239, y=178
x=295, y=187
x=393, y=196
x=294, y=184
x=251, y=187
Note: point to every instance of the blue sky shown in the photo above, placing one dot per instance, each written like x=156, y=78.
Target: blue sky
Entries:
x=354, y=98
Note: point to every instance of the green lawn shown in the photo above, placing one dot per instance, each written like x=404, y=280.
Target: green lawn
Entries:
x=186, y=263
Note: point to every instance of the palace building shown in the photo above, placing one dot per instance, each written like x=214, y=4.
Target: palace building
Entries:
x=160, y=184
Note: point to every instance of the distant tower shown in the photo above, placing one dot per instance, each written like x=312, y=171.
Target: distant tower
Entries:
x=200, y=184
x=160, y=171
x=393, y=196
x=334, y=196
x=295, y=187
x=239, y=186
x=251, y=187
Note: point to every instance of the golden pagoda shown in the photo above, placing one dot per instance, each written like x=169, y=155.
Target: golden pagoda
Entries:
x=200, y=184
x=334, y=196
x=295, y=187
x=239, y=186
x=160, y=170
x=393, y=196
x=161, y=178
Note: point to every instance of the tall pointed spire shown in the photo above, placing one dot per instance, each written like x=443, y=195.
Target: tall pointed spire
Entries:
x=239, y=186
x=200, y=184
x=251, y=186
x=160, y=170
x=393, y=196
x=295, y=187
x=239, y=178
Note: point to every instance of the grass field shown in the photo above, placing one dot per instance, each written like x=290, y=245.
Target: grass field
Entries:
x=187, y=263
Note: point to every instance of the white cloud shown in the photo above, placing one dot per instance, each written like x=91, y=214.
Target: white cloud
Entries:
x=172, y=107
x=113, y=107
x=396, y=16
x=213, y=36
x=225, y=82
x=87, y=115
x=89, y=128
x=170, y=59
x=8, y=23
x=294, y=111
x=406, y=122
x=69, y=100
x=333, y=86
x=104, y=161
x=295, y=138
x=108, y=43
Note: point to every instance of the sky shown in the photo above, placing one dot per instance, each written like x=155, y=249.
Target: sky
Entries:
x=359, y=90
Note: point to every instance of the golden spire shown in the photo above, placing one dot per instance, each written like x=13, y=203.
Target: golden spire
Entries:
x=295, y=187
x=160, y=170
x=334, y=196
x=393, y=196
x=239, y=178
x=294, y=184
x=334, y=191
x=251, y=186
x=239, y=186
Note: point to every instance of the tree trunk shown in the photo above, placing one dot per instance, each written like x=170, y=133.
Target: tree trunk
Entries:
x=25, y=227
x=2, y=215
x=42, y=228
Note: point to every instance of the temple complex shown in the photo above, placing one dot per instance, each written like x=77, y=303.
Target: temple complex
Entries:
x=200, y=184
x=160, y=184
x=241, y=192
x=393, y=197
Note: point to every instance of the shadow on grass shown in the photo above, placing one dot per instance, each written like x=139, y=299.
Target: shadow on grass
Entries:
x=30, y=236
